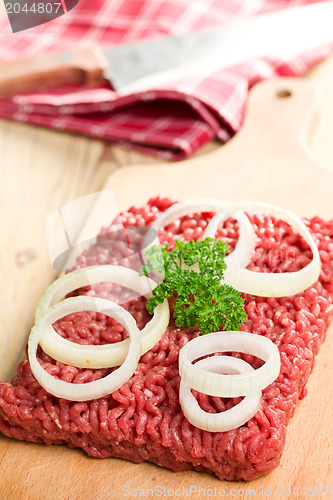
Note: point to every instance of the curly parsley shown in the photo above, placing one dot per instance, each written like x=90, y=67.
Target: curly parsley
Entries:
x=200, y=298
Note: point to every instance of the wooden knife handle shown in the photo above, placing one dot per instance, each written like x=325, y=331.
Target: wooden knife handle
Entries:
x=78, y=66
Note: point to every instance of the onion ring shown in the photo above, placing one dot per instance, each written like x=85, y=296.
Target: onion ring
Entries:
x=270, y=284
x=227, y=385
x=242, y=253
x=98, y=388
x=226, y=420
x=185, y=208
x=108, y=355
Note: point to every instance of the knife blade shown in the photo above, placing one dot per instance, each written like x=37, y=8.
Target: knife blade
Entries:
x=142, y=65
x=280, y=34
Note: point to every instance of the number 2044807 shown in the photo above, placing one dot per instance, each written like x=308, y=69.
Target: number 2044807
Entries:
x=34, y=8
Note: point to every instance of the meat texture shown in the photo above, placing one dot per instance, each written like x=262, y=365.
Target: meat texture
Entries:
x=143, y=420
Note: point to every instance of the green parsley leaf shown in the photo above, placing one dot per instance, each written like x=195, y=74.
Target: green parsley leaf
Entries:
x=193, y=272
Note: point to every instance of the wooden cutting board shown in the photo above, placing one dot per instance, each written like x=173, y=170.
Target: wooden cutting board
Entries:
x=266, y=161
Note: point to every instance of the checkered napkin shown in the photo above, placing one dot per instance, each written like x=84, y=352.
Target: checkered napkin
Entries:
x=170, y=122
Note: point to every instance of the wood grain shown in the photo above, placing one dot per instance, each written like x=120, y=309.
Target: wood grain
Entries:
x=42, y=170
x=39, y=170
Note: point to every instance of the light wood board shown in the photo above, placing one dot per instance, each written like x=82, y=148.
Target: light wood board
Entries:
x=265, y=161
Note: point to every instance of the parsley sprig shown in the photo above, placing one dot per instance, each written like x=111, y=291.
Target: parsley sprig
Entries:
x=200, y=298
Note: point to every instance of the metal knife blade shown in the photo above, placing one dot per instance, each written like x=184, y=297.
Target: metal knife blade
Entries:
x=147, y=64
x=142, y=65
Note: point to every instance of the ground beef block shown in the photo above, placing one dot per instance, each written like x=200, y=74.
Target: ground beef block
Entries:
x=143, y=421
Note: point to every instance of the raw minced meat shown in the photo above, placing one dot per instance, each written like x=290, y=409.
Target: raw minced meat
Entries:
x=143, y=420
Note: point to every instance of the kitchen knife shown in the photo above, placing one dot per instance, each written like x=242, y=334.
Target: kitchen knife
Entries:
x=146, y=64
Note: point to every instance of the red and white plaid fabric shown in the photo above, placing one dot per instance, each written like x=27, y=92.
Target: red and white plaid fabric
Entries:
x=170, y=122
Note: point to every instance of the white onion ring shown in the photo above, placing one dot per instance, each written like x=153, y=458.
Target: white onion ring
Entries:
x=246, y=243
x=226, y=420
x=180, y=210
x=98, y=388
x=108, y=355
x=227, y=385
x=270, y=284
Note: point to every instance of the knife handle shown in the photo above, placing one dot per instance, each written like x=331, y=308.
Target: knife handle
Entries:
x=78, y=66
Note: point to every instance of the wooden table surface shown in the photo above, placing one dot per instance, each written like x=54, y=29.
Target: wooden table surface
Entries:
x=43, y=169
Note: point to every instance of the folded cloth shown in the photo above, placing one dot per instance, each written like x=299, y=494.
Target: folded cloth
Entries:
x=171, y=121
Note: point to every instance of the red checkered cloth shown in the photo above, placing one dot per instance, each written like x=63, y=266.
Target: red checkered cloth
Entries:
x=170, y=122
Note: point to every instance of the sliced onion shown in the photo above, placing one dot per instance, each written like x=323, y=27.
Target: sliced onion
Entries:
x=87, y=276
x=246, y=243
x=181, y=209
x=226, y=420
x=108, y=355
x=98, y=388
x=270, y=284
x=229, y=385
